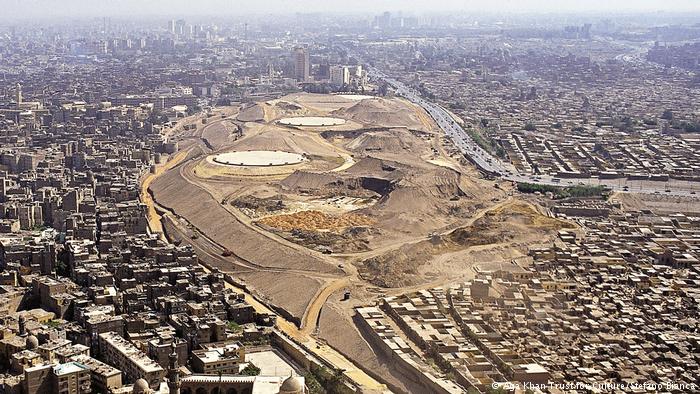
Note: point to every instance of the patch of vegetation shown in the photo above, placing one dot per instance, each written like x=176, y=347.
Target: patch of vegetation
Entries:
x=331, y=383
x=458, y=105
x=312, y=383
x=233, y=326
x=250, y=370
x=263, y=340
x=578, y=191
x=54, y=323
x=529, y=126
x=486, y=142
x=624, y=124
x=691, y=127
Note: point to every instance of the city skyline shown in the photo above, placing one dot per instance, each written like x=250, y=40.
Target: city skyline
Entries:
x=349, y=199
x=19, y=9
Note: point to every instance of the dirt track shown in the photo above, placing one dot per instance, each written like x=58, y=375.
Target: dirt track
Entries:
x=352, y=372
x=418, y=193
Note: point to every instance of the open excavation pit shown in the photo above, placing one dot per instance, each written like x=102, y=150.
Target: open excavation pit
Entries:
x=259, y=158
x=311, y=121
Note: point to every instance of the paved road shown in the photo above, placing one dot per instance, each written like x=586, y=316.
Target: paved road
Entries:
x=505, y=170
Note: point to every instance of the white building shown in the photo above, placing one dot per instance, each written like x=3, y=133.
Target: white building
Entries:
x=340, y=75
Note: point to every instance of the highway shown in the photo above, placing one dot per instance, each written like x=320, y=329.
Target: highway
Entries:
x=496, y=167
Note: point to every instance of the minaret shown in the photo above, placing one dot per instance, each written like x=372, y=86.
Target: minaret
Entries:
x=18, y=98
x=22, y=326
x=173, y=372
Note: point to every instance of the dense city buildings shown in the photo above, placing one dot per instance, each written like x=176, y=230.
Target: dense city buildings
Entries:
x=350, y=202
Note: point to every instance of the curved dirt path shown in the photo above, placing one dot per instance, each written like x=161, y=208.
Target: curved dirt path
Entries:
x=302, y=336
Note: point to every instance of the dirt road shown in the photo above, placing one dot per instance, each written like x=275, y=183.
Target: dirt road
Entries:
x=154, y=223
x=302, y=336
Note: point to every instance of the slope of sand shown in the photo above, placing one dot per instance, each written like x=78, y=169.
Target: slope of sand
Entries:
x=384, y=112
x=507, y=226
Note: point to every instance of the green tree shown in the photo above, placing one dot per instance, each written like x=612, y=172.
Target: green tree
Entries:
x=233, y=326
x=250, y=370
x=313, y=384
x=336, y=382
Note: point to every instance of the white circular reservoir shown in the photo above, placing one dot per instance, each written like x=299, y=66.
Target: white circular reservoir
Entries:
x=311, y=121
x=259, y=158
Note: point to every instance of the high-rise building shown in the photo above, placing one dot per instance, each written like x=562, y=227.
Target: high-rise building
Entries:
x=18, y=93
x=301, y=64
x=340, y=75
x=180, y=25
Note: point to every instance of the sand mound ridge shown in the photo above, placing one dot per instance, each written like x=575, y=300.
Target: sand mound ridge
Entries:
x=382, y=112
x=515, y=222
x=254, y=113
x=316, y=221
x=397, y=141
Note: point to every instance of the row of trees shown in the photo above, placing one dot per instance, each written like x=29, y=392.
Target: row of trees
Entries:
x=578, y=191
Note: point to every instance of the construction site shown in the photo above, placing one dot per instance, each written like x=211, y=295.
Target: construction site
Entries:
x=317, y=204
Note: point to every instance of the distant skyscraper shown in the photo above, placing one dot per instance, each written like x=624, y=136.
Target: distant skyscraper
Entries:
x=180, y=25
x=301, y=64
x=340, y=75
x=171, y=25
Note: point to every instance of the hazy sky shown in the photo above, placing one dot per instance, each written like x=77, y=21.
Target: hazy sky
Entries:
x=39, y=8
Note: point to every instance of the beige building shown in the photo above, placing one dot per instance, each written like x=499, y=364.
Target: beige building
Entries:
x=215, y=359
x=104, y=377
x=130, y=360
x=71, y=378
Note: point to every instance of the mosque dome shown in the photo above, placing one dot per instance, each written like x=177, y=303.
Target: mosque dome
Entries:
x=32, y=342
x=292, y=385
x=141, y=387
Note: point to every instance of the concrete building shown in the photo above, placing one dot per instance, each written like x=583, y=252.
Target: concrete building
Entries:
x=215, y=359
x=302, y=64
x=340, y=75
x=104, y=377
x=125, y=356
x=71, y=378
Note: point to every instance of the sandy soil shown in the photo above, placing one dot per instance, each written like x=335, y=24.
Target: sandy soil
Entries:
x=338, y=330
x=502, y=232
x=408, y=211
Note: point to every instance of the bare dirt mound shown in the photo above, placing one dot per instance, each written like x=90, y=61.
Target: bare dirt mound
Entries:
x=316, y=221
x=514, y=223
x=274, y=287
x=383, y=112
x=340, y=331
x=212, y=219
x=254, y=113
x=397, y=141
x=304, y=182
x=308, y=180
x=220, y=134
x=276, y=138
